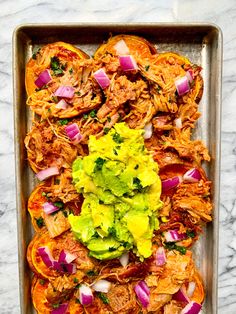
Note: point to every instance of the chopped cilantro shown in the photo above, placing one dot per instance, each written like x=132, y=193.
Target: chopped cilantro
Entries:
x=115, y=152
x=35, y=52
x=93, y=114
x=109, y=119
x=56, y=305
x=57, y=181
x=190, y=234
x=138, y=184
x=117, y=138
x=42, y=281
x=147, y=67
x=59, y=205
x=56, y=66
x=34, y=56
x=77, y=286
x=78, y=93
x=85, y=116
x=103, y=297
x=91, y=273
x=45, y=195
x=71, y=71
x=158, y=89
x=77, y=301
x=106, y=130
x=75, y=280
x=112, y=231
x=40, y=222
x=99, y=163
x=55, y=99
x=63, y=121
x=37, y=89
x=173, y=246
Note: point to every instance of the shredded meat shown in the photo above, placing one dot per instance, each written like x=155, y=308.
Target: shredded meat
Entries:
x=122, y=299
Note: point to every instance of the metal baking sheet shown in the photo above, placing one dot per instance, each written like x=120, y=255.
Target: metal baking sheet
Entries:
x=201, y=43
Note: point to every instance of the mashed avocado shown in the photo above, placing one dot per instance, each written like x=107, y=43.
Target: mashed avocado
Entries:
x=121, y=190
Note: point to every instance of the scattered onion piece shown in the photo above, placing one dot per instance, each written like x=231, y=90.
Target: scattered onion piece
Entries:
x=174, y=236
x=64, y=267
x=143, y=293
x=160, y=256
x=128, y=63
x=43, y=78
x=46, y=173
x=65, y=92
x=148, y=131
x=170, y=183
x=181, y=295
x=85, y=295
x=73, y=133
x=189, y=75
x=182, y=85
x=49, y=208
x=102, y=286
x=46, y=256
x=178, y=123
x=191, y=288
x=61, y=309
x=102, y=78
x=191, y=308
x=124, y=259
x=66, y=257
x=192, y=175
x=62, y=104
x=121, y=48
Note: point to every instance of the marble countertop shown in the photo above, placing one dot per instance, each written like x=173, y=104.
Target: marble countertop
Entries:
x=15, y=12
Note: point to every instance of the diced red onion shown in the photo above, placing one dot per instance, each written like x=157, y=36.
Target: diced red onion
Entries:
x=66, y=257
x=46, y=256
x=46, y=173
x=73, y=133
x=62, y=104
x=160, y=256
x=181, y=295
x=102, y=286
x=174, y=236
x=178, y=123
x=147, y=131
x=189, y=75
x=121, y=48
x=128, y=63
x=85, y=295
x=61, y=309
x=102, y=78
x=191, y=289
x=143, y=293
x=43, y=78
x=124, y=259
x=192, y=175
x=170, y=183
x=182, y=85
x=65, y=92
x=191, y=308
x=49, y=208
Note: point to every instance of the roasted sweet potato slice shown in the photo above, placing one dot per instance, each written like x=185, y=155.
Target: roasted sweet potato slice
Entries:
x=138, y=46
x=41, y=61
x=199, y=294
x=40, y=302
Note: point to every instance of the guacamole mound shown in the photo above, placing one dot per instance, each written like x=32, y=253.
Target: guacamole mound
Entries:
x=121, y=190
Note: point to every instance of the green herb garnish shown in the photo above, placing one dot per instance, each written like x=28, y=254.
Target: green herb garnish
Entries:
x=99, y=163
x=103, y=297
x=91, y=273
x=117, y=138
x=93, y=114
x=147, y=67
x=106, y=130
x=56, y=66
x=63, y=121
x=190, y=234
x=173, y=246
x=59, y=204
x=71, y=71
x=40, y=222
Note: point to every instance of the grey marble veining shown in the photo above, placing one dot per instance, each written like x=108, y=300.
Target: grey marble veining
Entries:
x=15, y=12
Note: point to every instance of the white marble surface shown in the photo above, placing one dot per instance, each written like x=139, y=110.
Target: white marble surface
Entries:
x=14, y=12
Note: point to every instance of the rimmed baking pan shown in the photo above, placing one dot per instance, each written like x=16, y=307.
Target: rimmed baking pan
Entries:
x=201, y=43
